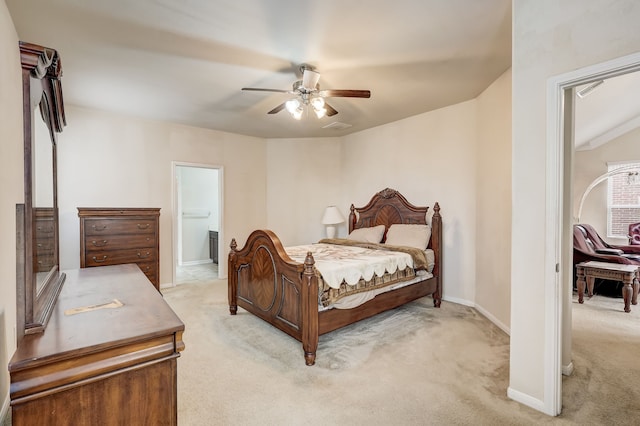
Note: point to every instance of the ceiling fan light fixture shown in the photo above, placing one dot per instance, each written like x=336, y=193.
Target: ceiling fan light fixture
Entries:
x=318, y=103
x=297, y=113
x=318, y=107
x=307, y=95
x=292, y=105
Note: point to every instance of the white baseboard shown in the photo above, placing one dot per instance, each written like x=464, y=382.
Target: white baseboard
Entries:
x=481, y=310
x=196, y=262
x=4, y=411
x=567, y=370
x=494, y=320
x=459, y=301
x=525, y=399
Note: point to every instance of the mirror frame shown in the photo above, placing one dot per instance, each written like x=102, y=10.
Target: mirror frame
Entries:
x=34, y=305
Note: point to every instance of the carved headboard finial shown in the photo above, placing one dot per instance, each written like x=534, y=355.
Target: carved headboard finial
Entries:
x=388, y=193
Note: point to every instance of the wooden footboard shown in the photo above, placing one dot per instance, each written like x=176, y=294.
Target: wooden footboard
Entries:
x=266, y=282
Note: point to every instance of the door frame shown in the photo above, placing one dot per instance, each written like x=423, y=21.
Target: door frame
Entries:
x=558, y=217
x=175, y=217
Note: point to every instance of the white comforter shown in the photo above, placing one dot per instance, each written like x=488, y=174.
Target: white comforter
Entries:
x=339, y=263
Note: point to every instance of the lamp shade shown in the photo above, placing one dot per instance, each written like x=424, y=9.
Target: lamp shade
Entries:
x=332, y=216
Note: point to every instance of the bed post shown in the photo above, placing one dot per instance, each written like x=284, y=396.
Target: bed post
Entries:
x=352, y=218
x=233, y=278
x=309, y=310
x=436, y=245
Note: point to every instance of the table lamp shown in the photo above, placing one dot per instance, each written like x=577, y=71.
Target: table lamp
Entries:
x=332, y=217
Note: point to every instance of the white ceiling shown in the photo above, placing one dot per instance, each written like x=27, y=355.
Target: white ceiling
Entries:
x=185, y=61
x=610, y=110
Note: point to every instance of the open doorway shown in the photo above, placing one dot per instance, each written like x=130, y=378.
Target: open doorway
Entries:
x=197, y=222
x=558, y=336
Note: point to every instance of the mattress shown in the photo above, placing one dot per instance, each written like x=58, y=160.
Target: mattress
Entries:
x=351, y=275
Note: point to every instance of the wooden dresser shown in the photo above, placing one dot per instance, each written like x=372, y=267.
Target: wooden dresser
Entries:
x=114, y=236
x=45, y=238
x=108, y=355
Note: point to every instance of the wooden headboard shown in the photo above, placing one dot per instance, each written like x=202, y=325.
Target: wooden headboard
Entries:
x=388, y=207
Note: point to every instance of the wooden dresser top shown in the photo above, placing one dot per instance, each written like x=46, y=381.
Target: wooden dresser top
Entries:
x=144, y=314
x=118, y=211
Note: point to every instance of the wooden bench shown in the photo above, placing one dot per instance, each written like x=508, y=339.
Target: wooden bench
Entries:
x=627, y=274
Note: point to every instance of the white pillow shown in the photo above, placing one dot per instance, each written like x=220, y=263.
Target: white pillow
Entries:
x=409, y=235
x=367, y=235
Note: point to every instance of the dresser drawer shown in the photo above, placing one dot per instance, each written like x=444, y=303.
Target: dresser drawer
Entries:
x=105, y=257
x=44, y=228
x=44, y=261
x=150, y=269
x=113, y=236
x=119, y=226
x=45, y=245
x=117, y=242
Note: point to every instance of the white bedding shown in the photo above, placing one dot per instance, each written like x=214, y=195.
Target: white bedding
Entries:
x=337, y=263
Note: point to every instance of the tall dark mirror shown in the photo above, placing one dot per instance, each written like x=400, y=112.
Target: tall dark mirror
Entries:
x=38, y=267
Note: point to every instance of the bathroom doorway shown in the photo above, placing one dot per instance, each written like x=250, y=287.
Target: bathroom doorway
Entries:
x=197, y=222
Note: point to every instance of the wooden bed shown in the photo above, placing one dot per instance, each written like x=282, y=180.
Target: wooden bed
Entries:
x=266, y=282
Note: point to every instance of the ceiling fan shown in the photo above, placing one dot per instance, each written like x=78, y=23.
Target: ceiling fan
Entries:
x=307, y=92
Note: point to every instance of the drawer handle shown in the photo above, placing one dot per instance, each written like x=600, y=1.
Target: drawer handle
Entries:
x=99, y=243
x=144, y=226
x=143, y=256
x=39, y=245
x=99, y=228
x=100, y=260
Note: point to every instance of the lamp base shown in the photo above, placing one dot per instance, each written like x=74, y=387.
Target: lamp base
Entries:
x=331, y=231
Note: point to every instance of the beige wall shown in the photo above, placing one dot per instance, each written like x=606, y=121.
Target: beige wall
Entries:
x=593, y=163
x=303, y=178
x=429, y=157
x=11, y=189
x=549, y=38
x=493, y=203
x=415, y=156
x=118, y=161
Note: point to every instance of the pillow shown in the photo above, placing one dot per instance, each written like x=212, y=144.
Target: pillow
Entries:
x=409, y=235
x=367, y=235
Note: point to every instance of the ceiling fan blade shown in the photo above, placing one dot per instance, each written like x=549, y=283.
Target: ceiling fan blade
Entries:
x=277, y=109
x=345, y=93
x=331, y=111
x=257, y=89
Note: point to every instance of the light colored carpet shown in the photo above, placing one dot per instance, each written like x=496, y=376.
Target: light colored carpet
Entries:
x=196, y=273
x=416, y=365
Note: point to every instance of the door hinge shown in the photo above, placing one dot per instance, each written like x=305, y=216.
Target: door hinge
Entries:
x=557, y=267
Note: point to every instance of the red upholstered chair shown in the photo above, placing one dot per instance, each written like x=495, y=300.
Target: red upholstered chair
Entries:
x=588, y=245
x=634, y=234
